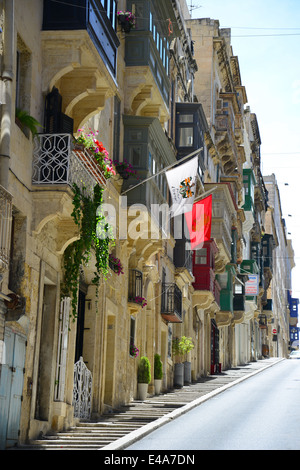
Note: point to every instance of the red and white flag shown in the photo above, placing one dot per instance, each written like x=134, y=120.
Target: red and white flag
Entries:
x=198, y=222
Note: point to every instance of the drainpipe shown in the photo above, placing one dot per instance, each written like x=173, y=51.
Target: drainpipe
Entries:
x=7, y=77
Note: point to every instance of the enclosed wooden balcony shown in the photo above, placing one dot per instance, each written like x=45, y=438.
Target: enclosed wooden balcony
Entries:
x=5, y=227
x=205, y=280
x=224, y=212
x=249, y=183
x=97, y=17
x=147, y=59
x=226, y=282
x=79, y=53
x=268, y=308
x=225, y=132
x=207, y=288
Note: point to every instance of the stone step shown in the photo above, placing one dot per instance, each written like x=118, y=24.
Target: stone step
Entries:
x=92, y=435
x=75, y=446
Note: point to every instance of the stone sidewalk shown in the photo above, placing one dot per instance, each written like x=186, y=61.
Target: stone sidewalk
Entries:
x=123, y=427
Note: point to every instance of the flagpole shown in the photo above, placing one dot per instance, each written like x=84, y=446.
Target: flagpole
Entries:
x=204, y=195
x=163, y=170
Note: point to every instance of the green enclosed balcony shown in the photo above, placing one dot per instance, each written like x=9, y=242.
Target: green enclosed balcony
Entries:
x=251, y=269
x=249, y=183
x=225, y=281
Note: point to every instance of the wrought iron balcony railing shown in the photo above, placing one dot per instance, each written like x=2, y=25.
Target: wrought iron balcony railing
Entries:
x=56, y=161
x=5, y=227
x=135, y=286
x=171, y=300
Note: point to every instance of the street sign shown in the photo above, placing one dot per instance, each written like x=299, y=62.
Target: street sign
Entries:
x=274, y=331
x=252, y=285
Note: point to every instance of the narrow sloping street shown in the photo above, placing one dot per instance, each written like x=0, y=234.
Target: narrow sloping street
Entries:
x=261, y=413
x=119, y=429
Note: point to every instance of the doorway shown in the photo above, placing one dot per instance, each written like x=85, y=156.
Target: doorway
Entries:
x=110, y=360
x=11, y=387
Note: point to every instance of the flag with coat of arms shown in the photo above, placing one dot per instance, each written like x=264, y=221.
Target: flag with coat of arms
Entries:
x=182, y=185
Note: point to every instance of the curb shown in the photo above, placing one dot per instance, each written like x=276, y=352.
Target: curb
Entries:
x=131, y=438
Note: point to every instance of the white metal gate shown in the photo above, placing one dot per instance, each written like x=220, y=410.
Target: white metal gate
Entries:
x=82, y=391
x=60, y=379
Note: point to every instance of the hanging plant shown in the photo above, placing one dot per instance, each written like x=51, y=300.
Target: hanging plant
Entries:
x=125, y=169
x=140, y=300
x=115, y=264
x=134, y=351
x=127, y=20
x=95, y=234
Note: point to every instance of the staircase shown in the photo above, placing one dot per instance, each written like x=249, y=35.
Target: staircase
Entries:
x=131, y=417
x=96, y=435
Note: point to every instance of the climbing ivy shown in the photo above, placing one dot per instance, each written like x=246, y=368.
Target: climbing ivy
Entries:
x=95, y=234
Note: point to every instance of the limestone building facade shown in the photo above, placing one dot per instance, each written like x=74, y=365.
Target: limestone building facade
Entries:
x=92, y=275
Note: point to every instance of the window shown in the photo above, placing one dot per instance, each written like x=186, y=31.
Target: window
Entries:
x=110, y=9
x=201, y=256
x=186, y=137
x=238, y=288
x=117, y=114
x=186, y=118
x=169, y=342
x=23, y=76
x=132, y=335
x=190, y=128
x=135, y=155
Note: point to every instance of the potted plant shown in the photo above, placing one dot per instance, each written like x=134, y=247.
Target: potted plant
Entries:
x=144, y=377
x=178, y=367
x=158, y=373
x=182, y=371
x=25, y=121
x=125, y=169
x=134, y=351
x=140, y=300
x=115, y=265
x=187, y=346
x=126, y=20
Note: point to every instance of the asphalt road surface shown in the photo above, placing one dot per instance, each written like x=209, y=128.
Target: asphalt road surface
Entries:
x=261, y=413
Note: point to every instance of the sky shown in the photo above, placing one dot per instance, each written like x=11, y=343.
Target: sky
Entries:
x=266, y=38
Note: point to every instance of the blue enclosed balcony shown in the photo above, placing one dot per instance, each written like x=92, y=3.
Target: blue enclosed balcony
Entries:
x=97, y=17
